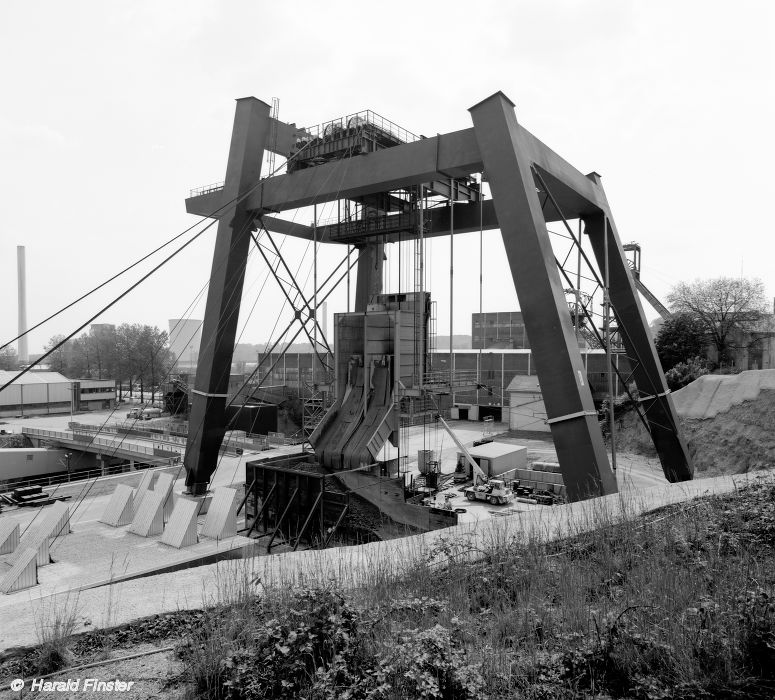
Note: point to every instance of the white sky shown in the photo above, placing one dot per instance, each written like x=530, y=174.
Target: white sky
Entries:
x=112, y=111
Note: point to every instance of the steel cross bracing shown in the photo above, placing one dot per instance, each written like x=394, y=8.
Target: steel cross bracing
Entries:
x=291, y=286
x=517, y=167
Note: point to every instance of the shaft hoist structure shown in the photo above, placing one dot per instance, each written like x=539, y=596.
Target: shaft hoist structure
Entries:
x=366, y=160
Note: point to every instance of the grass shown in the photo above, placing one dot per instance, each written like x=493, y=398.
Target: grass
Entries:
x=54, y=628
x=674, y=604
x=677, y=603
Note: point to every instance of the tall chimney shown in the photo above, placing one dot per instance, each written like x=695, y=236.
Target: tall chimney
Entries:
x=24, y=356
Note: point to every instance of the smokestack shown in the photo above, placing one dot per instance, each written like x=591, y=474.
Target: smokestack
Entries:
x=24, y=356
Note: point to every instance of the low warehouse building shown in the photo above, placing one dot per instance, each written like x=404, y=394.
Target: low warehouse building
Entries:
x=95, y=394
x=34, y=394
x=42, y=393
x=495, y=459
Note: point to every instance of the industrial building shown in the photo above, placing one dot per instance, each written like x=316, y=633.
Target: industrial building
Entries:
x=492, y=370
x=498, y=329
x=42, y=393
x=505, y=330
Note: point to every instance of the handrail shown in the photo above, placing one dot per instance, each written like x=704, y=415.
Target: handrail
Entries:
x=103, y=442
x=206, y=189
x=74, y=476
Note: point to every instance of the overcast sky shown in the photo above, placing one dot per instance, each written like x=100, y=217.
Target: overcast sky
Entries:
x=112, y=111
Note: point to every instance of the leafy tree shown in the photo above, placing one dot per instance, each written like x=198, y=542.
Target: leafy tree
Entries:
x=725, y=306
x=680, y=338
x=8, y=359
x=132, y=353
x=142, y=355
x=61, y=359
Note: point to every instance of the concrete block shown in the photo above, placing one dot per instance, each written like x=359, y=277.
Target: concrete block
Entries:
x=221, y=520
x=119, y=509
x=203, y=500
x=164, y=483
x=9, y=536
x=49, y=524
x=24, y=572
x=56, y=520
x=143, y=487
x=181, y=528
x=149, y=519
x=33, y=540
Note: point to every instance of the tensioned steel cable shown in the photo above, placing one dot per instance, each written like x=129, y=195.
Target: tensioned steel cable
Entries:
x=220, y=210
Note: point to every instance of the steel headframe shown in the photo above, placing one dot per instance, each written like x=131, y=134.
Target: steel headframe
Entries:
x=519, y=168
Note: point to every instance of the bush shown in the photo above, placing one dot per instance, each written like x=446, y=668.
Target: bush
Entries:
x=426, y=664
x=317, y=638
x=315, y=649
x=686, y=372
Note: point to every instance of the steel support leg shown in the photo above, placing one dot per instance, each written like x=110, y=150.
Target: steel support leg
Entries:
x=207, y=423
x=369, y=274
x=569, y=407
x=647, y=372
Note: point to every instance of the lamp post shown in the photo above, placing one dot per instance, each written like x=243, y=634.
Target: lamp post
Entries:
x=67, y=459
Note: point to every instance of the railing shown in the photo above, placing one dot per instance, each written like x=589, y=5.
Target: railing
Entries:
x=460, y=377
x=206, y=189
x=360, y=120
x=58, y=479
x=373, y=225
x=157, y=450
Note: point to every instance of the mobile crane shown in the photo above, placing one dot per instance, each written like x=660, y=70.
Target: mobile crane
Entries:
x=493, y=491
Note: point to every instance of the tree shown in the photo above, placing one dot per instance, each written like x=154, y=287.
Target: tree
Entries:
x=60, y=360
x=8, y=359
x=142, y=355
x=132, y=352
x=680, y=338
x=727, y=307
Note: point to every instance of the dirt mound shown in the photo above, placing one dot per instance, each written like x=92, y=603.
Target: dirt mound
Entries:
x=739, y=440
x=728, y=422
x=712, y=394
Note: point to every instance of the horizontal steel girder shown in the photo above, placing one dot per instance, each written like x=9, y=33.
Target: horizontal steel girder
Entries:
x=468, y=217
x=448, y=155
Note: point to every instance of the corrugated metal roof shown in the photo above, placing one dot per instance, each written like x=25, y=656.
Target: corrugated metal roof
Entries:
x=34, y=378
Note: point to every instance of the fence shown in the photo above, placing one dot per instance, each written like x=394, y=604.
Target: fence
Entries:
x=156, y=450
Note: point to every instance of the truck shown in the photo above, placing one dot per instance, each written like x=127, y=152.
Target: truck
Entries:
x=144, y=413
x=494, y=492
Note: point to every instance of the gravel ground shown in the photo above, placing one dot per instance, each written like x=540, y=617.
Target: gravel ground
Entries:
x=152, y=676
